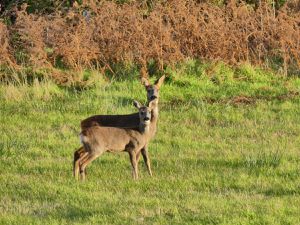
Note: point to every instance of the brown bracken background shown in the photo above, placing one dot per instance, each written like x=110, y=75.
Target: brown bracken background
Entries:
x=100, y=34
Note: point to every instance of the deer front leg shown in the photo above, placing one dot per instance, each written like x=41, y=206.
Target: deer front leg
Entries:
x=146, y=159
x=132, y=155
x=138, y=154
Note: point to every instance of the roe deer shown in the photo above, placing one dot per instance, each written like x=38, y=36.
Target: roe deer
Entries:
x=130, y=120
x=97, y=140
x=122, y=121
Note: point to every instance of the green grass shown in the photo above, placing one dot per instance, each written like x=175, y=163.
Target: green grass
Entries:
x=217, y=158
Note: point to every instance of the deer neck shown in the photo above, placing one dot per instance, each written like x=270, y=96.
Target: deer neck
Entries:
x=153, y=123
x=144, y=128
x=154, y=114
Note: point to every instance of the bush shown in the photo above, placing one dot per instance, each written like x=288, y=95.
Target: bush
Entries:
x=101, y=34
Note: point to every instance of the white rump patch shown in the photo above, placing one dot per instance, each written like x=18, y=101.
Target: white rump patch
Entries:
x=81, y=138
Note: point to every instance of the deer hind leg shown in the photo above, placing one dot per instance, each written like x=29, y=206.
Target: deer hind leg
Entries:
x=133, y=161
x=146, y=160
x=87, y=160
x=78, y=163
x=77, y=155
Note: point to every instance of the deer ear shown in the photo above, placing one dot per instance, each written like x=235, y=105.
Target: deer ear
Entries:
x=160, y=81
x=145, y=82
x=137, y=104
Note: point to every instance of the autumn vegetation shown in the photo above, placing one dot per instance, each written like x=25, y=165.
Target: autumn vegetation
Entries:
x=101, y=35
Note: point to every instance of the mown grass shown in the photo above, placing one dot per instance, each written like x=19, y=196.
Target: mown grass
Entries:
x=226, y=152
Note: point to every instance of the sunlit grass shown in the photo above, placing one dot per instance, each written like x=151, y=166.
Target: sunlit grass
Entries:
x=216, y=159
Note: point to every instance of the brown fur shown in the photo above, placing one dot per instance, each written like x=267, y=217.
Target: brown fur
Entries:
x=97, y=140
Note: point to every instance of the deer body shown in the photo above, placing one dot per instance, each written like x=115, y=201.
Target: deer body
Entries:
x=104, y=138
x=97, y=140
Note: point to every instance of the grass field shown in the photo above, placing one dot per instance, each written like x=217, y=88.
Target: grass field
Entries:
x=226, y=152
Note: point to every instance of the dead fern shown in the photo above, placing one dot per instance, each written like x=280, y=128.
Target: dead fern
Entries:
x=101, y=34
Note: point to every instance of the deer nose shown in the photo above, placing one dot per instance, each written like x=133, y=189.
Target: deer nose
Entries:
x=146, y=119
x=153, y=97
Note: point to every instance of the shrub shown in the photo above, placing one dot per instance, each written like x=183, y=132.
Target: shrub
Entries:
x=101, y=34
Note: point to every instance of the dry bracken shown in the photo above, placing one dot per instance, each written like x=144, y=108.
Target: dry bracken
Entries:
x=103, y=33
